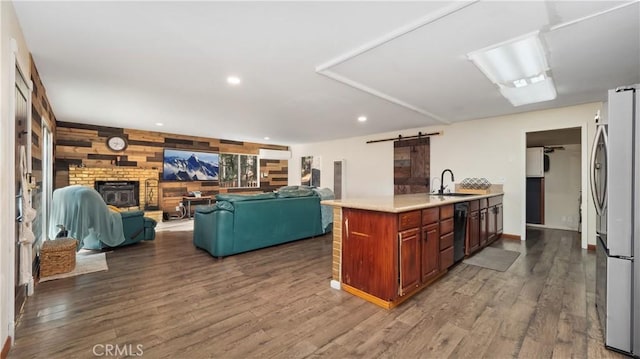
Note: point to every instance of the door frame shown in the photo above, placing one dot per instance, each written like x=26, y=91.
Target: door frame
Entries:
x=10, y=168
x=47, y=171
x=587, y=201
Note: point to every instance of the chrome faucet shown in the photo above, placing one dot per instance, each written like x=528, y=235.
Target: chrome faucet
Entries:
x=441, y=191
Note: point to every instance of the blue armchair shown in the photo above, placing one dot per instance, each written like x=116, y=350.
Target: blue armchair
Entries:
x=83, y=213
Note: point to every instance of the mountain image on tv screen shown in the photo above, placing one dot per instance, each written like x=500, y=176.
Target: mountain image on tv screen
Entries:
x=190, y=166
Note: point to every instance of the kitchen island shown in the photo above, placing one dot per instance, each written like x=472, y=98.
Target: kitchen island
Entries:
x=386, y=249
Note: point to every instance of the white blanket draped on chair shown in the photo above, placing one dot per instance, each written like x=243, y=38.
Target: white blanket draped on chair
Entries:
x=28, y=214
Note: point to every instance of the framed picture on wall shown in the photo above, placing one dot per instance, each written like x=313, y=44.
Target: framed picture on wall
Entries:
x=316, y=164
x=310, y=171
x=305, y=178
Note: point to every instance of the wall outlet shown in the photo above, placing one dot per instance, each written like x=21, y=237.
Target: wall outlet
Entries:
x=177, y=208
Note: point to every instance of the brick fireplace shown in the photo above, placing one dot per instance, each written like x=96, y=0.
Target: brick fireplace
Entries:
x=92, y=176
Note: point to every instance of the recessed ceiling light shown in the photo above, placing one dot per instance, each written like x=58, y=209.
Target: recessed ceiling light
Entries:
x=362, y=118
x=159, y=124
x=233, y=80
x=267, y=138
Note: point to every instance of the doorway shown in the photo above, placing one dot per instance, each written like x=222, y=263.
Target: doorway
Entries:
x=554, y=179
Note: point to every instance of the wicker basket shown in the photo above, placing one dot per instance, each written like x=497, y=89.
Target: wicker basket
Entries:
x=58, y=256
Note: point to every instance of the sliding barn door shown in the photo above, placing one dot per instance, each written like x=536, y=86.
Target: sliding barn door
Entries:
x=411, y=164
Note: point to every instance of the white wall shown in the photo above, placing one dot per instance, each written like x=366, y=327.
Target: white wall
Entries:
x=493, y=148
x=368, y=168
x=562, y=188
x=11, y=35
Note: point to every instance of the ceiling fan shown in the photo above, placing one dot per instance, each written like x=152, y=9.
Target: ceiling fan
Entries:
x=551, y=149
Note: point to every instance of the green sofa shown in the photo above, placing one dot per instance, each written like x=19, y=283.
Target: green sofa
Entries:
x=237, y=224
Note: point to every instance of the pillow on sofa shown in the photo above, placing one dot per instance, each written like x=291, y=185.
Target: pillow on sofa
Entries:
x=227, y=206
x=295, y=191
x=244, y=197
x=290, y=188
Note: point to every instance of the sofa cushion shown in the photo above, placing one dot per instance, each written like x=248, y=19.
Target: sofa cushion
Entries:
x=244, y=197
x=295, y=191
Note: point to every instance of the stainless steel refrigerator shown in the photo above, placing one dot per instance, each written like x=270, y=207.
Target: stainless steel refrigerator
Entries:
x=615, y=185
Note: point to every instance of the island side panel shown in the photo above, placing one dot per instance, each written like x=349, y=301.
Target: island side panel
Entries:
x=370, y=252
x=337, y=245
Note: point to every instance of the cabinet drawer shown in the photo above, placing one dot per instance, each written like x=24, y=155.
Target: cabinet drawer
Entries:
x=483, y=203
x=408, y=220
x=446, y=241
x=474, y=205
x=446, y=226
x=446, y=211
x=495, y=200
x=430, y=215
x=446, y=258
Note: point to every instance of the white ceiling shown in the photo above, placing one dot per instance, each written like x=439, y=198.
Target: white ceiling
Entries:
x=132, y=64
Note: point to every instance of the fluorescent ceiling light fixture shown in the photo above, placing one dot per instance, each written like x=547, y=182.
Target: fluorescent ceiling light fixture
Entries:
x=267, y=138
x=233, y=80
x=362, y=118
x=519, y=67
x=520, y=83
x=535, y=92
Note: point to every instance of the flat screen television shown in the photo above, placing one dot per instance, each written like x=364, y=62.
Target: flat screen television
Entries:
x=185, y=165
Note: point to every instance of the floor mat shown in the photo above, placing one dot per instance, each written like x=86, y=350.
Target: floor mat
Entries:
x=85, y=263
x=493, y=258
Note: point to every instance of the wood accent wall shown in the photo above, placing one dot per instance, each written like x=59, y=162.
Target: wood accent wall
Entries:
x=40, y=108
x=82, y=145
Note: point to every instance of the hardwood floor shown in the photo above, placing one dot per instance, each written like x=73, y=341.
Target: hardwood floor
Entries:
x=179, y=302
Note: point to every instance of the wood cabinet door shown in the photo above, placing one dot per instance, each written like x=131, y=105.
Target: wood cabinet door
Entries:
x=491, y=224
x=483, y=227
x=370, y=252
x=499, y=220
x=473, y=232
x=430, y=251
x=409, y=260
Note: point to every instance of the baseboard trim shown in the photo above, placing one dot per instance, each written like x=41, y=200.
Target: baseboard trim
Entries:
x=513, y=237
x=5, y=348
x=591, y=247
x=560, y=228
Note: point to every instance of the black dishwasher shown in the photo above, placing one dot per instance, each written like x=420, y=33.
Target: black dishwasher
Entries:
x=459, y=230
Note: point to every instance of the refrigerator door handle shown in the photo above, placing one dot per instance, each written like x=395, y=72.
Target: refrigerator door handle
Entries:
x=600, y=201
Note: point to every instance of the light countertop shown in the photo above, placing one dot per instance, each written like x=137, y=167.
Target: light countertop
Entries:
x=403, y=202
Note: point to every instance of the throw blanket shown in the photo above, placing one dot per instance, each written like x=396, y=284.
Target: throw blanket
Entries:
x=82, y=211
x=325, y=211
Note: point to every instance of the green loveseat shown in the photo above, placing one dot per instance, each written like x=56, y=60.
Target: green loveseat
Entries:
x=237, y=224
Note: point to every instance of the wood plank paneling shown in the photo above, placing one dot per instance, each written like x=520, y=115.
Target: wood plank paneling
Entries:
x=85, y=145
x=39, y=110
